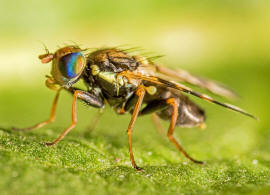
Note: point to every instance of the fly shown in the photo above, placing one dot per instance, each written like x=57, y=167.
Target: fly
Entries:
x=129, y=84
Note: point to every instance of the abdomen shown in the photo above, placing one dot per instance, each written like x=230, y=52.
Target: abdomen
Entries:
x=189, y=114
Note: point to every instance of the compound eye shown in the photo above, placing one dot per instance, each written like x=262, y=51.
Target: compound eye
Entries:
x=72, y=65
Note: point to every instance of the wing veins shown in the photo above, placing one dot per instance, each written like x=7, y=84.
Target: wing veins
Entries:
x=183, y=88
x=184, y=76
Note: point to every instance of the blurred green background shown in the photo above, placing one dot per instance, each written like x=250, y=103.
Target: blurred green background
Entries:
x=224, y=40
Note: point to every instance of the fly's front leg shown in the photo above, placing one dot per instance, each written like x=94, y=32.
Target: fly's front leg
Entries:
x=174, y=103
x=140, y=93
x=50, y=120
x=90, y=99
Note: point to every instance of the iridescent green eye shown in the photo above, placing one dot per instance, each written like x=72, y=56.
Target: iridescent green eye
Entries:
x=71, y=65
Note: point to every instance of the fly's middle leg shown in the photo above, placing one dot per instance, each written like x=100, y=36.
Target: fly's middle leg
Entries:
x=140, y=93
x=95, y=120
x=156, y=120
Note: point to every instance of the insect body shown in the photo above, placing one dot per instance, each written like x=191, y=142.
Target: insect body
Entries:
x=130, y=84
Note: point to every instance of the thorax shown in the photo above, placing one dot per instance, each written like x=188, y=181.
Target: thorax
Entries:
x=104, y=68
x=103, y=71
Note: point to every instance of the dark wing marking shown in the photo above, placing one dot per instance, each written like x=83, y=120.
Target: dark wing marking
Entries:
x=183, y=88
x=212, y=86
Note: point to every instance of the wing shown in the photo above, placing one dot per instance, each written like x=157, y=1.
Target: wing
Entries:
x=184, y=76
x=165, y=83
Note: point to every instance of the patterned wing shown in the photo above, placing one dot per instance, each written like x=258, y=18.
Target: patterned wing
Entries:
x=184, y=76
x=165, y=83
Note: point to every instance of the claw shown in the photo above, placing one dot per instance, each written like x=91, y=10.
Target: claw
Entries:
x=138, y=168
x=49, y=144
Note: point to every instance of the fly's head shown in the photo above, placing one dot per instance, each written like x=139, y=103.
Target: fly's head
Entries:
x=68, y=64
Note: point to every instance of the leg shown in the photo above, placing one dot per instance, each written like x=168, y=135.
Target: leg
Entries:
x=50, y=120
x=94, y=122
x=90, y=99
x=140, y=93
x=175, y=105
x=74, y=120
x=158, y=124
x=87, y=97
x=153, y=107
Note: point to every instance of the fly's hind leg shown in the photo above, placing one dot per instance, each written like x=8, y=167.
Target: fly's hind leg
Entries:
x=158, y=105
x=174, y=103
x=41, y=124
